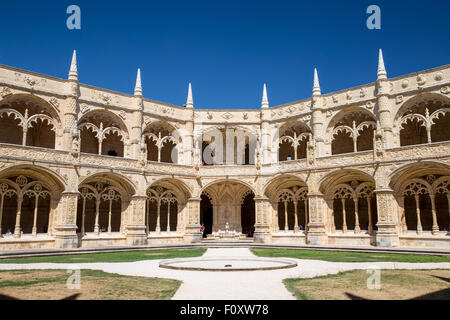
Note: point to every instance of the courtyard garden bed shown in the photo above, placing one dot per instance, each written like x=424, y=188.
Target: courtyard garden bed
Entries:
x=94, y=285
x=339, y=256
x=395, y=285
x=126, y=256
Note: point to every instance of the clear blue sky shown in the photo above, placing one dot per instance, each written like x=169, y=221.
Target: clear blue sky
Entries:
x=227, y=49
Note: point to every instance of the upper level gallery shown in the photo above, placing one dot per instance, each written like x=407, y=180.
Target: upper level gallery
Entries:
x=57, y=120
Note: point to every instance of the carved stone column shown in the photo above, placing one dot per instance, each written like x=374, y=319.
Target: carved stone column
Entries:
x=387, y=235
x=316, y=227
x=262, y=228
x=193, y=233
x=136, y=229
x=66, y=228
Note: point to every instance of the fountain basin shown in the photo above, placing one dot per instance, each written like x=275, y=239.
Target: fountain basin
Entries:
x=228, y=264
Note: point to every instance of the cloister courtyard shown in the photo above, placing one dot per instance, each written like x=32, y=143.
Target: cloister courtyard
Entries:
x=318, y=275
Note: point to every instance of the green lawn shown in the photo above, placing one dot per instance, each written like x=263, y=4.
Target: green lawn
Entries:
x=126, y=256
x=394, y=285
x=335, y=256
x=94, y=285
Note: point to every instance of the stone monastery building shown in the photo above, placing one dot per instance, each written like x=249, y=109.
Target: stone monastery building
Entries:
x=82, y=166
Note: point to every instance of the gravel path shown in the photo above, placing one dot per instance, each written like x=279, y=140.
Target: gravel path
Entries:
x=255, y=285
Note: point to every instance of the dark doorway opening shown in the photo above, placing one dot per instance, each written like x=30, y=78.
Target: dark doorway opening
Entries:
x=206, y=214
x=248, y=215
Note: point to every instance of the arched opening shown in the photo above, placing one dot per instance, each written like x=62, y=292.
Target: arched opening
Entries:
x=206, y=214
x=102, y=202
x=294, y=137
x=230, y=146
x=103, y=134
x=248, y=215
x=288, y=196
x=160, y=142
x=425, y=203
x=352, y=131
x=351, y=202
x=424, y=120
x=99, y=208
x=227, y=209
x=25, y=120
x=24, y=206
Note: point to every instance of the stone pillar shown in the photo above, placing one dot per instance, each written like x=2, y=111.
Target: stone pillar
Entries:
x=136, y=229
x=316, y=228
x=262, y=228
x=384, y=112
x=188, y=138
x=435, y=229
x=66, y=228
x=266, y=139
x=317, y=122
x=70, y=114
x=387, y=235
x=193, y=233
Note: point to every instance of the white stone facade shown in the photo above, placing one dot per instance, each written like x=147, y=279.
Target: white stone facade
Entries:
x=84, y=166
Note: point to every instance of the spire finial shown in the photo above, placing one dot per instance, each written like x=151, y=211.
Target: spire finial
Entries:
x=138, y=87
x=190, y=100
x=381, y=69
x=73, y=72
x=316, y=86
x=265, y=100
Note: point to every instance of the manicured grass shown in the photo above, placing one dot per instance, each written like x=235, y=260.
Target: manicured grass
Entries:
x=336, y=256
x=126, y=256
x=94, y=285
x=394, y=285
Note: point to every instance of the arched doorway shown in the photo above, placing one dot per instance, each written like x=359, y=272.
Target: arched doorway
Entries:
x=228, y=207
x=206, y=214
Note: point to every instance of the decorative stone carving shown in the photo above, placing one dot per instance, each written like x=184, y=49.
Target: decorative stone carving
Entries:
x=369, y=105
x=362, y=92
x=335, y=99
x=5, y=91
x=84, y=108
x=439, y=76
x=54, y=102
x=227, y=116
x=405, y=83
x=349, y=95
x=399, y=99
x=209, y=115
x=445, y=89
x=245, y=116
x=421, y=80
x=123, y=114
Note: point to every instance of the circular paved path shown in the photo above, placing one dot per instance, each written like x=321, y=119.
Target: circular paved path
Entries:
x=239, y=285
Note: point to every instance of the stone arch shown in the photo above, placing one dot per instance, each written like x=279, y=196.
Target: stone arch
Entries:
x=161, y=143
x=288, y=196
x=228, y=204
x=422, y=205
x=351, y=130
x=239, y=141
x=351, y=201
x=28, y=196
x=166, y=201
x=102, y=204
x=121, y=182
x=29, y=120
x=294, y=136
x=423, y=119
x=103, y=132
